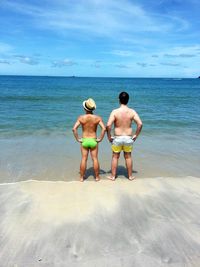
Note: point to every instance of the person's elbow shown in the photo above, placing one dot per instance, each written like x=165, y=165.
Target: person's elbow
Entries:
x=140, y=125
x=108, y=127
x=104, y=128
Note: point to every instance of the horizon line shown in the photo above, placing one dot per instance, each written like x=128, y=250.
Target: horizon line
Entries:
x=104, y=77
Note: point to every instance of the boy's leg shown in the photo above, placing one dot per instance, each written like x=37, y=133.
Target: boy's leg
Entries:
x=129, y=165
x=114, y=164
x=83, y=165
x=94, y=156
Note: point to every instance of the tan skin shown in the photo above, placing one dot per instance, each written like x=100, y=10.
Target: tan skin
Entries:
x=122, y=119
x=89, y=123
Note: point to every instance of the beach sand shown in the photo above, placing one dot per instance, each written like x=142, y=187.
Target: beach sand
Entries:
x=145, y=222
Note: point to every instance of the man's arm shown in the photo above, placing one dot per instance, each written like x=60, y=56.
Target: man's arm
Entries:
x=103, y=130
x=109, y=125
x=75, y=132
x=138, y=121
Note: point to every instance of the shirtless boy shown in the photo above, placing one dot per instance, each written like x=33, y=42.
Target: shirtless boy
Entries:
x=89, y=141
x=123, y=135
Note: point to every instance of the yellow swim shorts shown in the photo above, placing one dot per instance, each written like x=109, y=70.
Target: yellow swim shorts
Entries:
x=122, y=143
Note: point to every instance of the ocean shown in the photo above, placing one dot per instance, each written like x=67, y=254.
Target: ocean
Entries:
x=37, y=115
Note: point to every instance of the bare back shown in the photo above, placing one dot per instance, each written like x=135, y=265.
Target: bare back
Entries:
x=89, y=123
x=123, y=118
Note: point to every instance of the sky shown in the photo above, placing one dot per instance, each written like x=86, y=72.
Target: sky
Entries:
x=100, y=38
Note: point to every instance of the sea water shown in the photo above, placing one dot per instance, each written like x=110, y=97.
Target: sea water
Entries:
x=38, y=113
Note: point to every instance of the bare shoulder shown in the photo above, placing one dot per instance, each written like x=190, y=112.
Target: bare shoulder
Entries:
x=132, y=111
x=136, y=117
x=81, y=118
x=97, y=117
x=115, y=111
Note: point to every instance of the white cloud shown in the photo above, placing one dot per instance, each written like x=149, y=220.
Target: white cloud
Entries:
x=63, y=63
x=122, y=53
x=111, y=18
x=4, y=61
x=26, y=60
x=179, y=55
x=142, y=64
x=122, y=66
x=184, y=50
x=172, y=64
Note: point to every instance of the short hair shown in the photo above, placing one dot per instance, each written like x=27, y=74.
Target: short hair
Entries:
x=123, y=98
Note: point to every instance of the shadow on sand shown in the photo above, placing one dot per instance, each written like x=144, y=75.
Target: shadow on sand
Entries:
x=121, y=171
x=90, y=172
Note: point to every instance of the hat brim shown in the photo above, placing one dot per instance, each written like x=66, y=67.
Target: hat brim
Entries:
x=86, y=107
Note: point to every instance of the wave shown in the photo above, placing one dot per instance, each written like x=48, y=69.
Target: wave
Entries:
x=118, y=180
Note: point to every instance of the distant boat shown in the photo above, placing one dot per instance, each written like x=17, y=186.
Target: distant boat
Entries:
x=199, y=77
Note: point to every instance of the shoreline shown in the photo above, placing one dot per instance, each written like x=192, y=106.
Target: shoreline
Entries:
x=120, y=179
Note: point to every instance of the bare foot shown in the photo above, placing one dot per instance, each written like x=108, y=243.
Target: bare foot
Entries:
x=97, y=179
x=81, y=179
x=131, y=178
x=112, y=178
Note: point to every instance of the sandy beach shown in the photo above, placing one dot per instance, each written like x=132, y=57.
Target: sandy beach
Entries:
x=146, y=222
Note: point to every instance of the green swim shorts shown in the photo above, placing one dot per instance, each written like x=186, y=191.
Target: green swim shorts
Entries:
x=89, y=142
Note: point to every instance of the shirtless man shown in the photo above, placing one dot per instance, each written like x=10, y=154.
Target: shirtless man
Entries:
x=123, y=135
x=89, y=141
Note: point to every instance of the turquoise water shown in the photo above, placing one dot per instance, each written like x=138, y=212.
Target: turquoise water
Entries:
x=42, y=110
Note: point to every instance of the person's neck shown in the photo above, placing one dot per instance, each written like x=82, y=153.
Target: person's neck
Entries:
x=123, y=105
x=88, y=112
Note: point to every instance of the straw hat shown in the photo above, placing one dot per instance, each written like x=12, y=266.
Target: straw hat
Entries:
x=89, y=104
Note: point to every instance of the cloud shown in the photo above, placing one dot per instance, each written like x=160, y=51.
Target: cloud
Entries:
x=26, y=60
x=122, y=53
x=170, y=64
x=102, y=18
x=63, y=63
x=187, y=54
x=122, y=66
x=155, y=56
x=142, y=64
x=183, y=51
x=179, y=55
x=3, y=61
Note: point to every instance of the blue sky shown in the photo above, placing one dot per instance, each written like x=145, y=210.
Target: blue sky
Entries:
x=109, y=38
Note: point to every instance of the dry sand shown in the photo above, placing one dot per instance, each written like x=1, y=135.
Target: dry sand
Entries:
x=143, y=223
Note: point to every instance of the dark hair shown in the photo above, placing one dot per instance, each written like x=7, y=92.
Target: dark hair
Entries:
x=123, y=98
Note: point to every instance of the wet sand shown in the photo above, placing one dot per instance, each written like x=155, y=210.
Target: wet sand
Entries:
x=145, y=222
x=58, y=158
